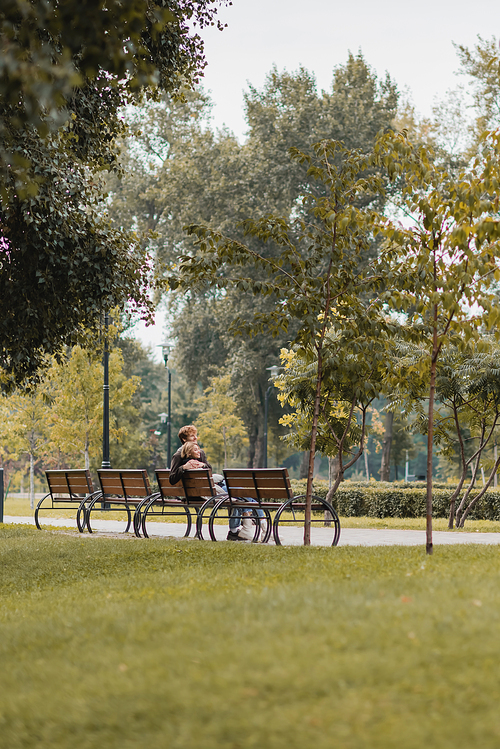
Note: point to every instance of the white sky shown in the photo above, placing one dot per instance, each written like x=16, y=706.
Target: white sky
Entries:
x=412, y=41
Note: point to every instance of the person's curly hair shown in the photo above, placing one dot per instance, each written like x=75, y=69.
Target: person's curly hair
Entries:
x=186, y=432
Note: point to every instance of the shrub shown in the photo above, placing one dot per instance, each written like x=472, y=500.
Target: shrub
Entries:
x=391, y=500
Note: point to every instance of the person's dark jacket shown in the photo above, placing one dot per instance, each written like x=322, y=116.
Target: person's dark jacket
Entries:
x=177, y=465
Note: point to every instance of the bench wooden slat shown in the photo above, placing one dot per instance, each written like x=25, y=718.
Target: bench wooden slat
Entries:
x=69, y=485
x=240, y=481
x=282, y=494
x=125, y=485
x=198, y=483
x=166, y=488
x=259, y=483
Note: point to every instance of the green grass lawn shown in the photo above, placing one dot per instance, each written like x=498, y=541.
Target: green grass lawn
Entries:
x=128, y=644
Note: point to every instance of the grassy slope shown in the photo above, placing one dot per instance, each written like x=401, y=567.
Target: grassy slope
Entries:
x=131, y=644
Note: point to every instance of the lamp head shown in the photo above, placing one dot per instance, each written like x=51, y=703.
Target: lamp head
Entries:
x=274, y=370
x=165, y=350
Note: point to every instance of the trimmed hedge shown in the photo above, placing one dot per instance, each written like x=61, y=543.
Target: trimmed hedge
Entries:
x=391, y=500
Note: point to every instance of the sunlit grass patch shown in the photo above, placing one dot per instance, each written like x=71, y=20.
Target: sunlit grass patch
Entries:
x=18, y=506
x=185, y=644
x=438, y=524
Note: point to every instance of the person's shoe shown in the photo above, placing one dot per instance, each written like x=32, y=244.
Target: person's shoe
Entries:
x=234, y=535
x=262, y=534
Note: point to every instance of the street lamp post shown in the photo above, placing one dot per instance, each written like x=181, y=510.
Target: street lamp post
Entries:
x=274, y=373
x=165, y=348
x=164, y=426
x=105, y=400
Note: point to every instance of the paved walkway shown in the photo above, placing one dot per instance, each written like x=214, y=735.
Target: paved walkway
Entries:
x=292, y=536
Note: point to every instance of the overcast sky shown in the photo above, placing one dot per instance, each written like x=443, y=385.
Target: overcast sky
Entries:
x=413, y=41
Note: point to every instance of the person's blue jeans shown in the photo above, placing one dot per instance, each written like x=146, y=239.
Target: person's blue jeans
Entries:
x=236, y=513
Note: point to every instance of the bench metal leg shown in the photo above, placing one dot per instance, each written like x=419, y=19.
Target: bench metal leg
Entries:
x=292, y=514
x=81, y=516
x=267, y=528
x=37, y=511
x=221, y=511
x=109, y=503
x=157, y=510
x=139, y=510
x=202, y=515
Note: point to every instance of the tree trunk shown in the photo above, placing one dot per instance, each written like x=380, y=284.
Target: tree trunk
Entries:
x=252, y=442
x=312, y=453
x=470, y=488
x=333, y=472
x=259, y=451
x=495, y=456
x=367, y=468
x=465, y=466
x=481, y=493
x=32, y=481
x=304, y=465
x=385, y=467
x=430, y=436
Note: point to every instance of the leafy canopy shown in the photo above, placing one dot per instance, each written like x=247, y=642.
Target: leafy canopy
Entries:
x=67, y=70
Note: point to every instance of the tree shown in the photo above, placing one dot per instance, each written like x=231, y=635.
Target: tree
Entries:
x=441, y=268
x=76, y=411
x=52, y=50
x=220, y=430
x=288, y=113
x=477, y=390
x=482, y=65
x=67, y=70
x=179, y=172
x=24, y=420
x=353, y=365
x=310, y=272
x=467, y=409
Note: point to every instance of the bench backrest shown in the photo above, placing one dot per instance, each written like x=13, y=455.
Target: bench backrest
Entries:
x=124, y=485
x=168, y=490
x=69, y=484
x=258, y=483
x=198, y=482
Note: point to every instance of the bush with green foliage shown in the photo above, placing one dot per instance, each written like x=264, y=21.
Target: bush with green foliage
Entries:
x=390, y=500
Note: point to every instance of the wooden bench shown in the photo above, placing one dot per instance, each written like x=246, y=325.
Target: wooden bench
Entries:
x=70, y=489
x=195, y=496
x=186, y=499
x=271, y=489
x=121, y=491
